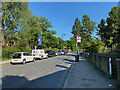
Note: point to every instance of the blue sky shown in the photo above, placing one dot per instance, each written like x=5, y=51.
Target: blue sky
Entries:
x=65, y=13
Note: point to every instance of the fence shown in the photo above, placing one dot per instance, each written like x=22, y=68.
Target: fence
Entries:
x=108, y=63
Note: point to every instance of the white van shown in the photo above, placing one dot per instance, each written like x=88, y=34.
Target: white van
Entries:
x=39, y=53
x=22, y=57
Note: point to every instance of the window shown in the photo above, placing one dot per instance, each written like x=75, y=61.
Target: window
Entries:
x=25, y=54
x=29, y=54
x=16, y=55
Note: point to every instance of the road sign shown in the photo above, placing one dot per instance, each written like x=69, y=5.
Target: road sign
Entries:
x=78, y=39
x=40, y=41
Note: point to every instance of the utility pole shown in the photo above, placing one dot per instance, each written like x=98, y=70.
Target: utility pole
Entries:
x=62, y=36
x=76, y=45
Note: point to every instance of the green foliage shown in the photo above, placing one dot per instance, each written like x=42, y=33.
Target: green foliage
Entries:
x=95, y=46
x=54, y=49
x=21, y=28
x=85, y=30
x=115, y=51
x=7, y=52
x=25, y=49
x=109, y=29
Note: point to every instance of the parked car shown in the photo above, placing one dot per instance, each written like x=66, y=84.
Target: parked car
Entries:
x=57, y=53
x=22, y=57
x=51, y=53
x=39, y=53
x=60, y=52
x=65, y=51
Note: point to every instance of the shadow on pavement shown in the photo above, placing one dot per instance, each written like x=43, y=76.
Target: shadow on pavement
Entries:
x=53, y=80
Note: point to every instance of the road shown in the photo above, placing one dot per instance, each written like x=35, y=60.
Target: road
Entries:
x=46, y=73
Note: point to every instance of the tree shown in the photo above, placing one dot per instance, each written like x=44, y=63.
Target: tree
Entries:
x=84, y=29
x=12, y=14
x=110, y=31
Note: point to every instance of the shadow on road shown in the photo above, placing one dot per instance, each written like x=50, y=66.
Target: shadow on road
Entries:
x=62, y=66
x=69, y=55
x=52, y=80
x=70, y=60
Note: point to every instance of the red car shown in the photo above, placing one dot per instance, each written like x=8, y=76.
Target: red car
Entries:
x=65, y=51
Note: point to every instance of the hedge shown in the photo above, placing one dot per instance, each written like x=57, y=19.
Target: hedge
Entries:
x=7, y=52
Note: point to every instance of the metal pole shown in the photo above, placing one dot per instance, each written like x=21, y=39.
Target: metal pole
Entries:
x=76, y=46
x=42, y=38
x=62, y=36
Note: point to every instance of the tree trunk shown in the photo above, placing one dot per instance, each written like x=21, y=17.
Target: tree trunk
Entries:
x=35, y=47
x=8, y=43
x=2, y=30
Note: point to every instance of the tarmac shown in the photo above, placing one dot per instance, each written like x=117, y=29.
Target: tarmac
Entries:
x=84, y=75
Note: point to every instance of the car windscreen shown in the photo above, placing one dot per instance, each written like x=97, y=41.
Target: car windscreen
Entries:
x=16, y=55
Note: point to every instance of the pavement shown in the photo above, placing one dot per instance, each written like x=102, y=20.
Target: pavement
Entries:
x=4, y=62
x=84, y=75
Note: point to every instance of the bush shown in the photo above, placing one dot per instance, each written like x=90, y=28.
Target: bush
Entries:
x=7, y=52
x=115, y=51
x=24, y=49
x=54, y=49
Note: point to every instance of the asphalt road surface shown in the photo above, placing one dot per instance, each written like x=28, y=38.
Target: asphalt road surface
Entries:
x=46, y=73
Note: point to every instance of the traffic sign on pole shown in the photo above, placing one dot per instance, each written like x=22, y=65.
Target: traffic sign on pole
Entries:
x=78, y=39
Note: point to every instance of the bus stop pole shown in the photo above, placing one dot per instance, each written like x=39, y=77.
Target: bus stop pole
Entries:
x=76, y=56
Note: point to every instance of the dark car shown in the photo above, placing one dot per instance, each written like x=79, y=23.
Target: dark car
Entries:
x=51, y=53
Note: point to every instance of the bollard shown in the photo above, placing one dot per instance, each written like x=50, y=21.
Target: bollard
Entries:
x=77, y=58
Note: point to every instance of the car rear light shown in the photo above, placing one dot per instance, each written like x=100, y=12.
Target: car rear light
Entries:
x=39, y=54
x=20, y=57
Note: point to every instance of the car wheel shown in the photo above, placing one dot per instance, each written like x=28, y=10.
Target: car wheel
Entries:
x=47, y=57
x=11, y=63
x=42, y=58
x=33, y=59
x=24, y=61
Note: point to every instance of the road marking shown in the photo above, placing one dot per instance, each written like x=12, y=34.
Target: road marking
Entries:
x=21, y=75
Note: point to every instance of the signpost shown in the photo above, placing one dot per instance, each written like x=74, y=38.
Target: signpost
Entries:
x=78, y=39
